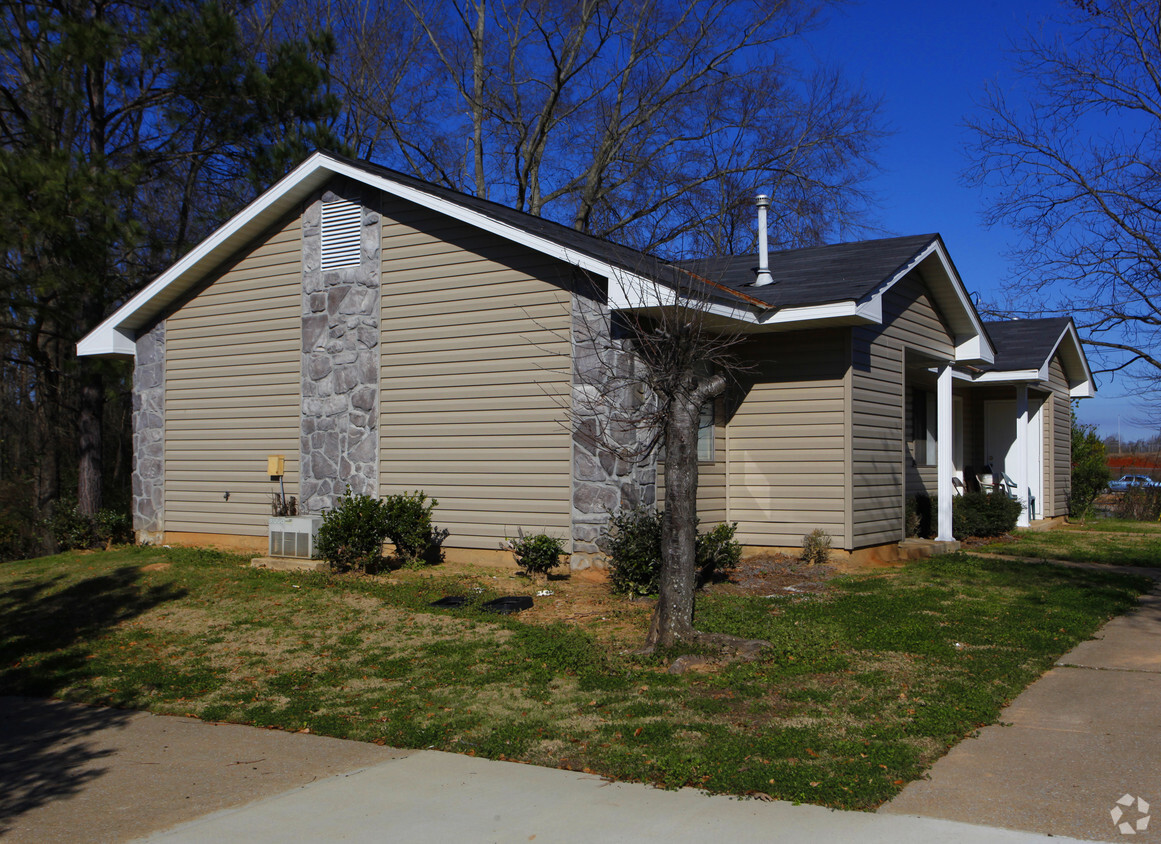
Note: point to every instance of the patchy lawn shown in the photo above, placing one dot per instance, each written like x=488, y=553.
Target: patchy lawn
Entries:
x=1107, y=541
x=869, y=679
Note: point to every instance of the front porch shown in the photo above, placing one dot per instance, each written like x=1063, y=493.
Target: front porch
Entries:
x=964, y=435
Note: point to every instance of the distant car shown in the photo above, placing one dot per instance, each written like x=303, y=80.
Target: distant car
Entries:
x=1126, y=482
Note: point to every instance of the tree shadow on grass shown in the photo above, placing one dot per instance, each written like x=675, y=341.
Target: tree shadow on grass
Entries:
x=44, y=631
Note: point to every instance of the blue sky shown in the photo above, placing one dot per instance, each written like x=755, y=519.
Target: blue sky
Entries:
x=930, y=62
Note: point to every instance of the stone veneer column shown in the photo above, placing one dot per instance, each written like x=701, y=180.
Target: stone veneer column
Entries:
x=149, y=436
x=340, y=363
x=603, y=480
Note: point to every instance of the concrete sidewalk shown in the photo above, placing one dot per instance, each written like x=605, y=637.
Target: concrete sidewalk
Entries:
x=1077, y=740
x=86, y=774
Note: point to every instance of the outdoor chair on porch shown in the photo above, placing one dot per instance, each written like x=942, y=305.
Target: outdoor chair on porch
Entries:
x=1005, y=483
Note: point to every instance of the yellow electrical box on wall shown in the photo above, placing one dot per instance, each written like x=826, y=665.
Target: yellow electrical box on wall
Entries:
x=276, y=465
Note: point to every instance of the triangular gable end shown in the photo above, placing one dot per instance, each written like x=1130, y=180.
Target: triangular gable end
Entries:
x=115, y=336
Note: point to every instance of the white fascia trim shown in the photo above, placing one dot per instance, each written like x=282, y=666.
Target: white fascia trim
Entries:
x=629, y=292
x=870, y=311
x=110, y=336
x=107, y=341
x=1011, y=376
x=1086, y=388
x=973, y=347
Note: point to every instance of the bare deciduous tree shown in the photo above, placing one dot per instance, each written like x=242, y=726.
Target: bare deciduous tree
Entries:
x=648, y=121
x=650, y=368
x=1077, y=169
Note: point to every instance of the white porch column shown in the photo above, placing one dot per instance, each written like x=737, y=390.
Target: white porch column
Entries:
x=1020, y=470
x=943, y=463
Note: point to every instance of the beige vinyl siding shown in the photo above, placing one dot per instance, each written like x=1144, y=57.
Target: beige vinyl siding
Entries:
x=787, y=441
x=1061, y=438
x=232, y=390
x=910, y=321
x=475, y=378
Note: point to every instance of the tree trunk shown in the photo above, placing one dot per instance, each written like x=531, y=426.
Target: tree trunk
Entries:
x=92, y=409
x=673, y=618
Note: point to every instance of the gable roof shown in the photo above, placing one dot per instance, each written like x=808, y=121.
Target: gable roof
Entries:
x=839, y=284
x=1025, y=348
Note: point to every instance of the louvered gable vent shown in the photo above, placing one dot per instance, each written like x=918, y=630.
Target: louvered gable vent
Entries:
x=342, y=223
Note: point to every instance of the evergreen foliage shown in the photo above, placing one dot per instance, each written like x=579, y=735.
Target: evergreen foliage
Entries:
x=1090, y=471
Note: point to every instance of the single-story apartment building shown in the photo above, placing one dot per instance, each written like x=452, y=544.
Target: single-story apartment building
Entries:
x=383, y=333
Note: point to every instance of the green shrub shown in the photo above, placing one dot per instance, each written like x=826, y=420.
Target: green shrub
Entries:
x=69, y=528
x=1090, y=472
x=1142, y=504
x=351, y=535
x=635, y=551
x=112, y=527
x=410, y=529
x=972, y=514
x=536, y=554
x=816, y=548
x=982, y=514
x=634, y=538
x=718, y=553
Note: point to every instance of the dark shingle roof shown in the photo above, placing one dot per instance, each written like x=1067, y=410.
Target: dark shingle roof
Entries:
x=817, y=275
x=587, y=244
x=1024, y=343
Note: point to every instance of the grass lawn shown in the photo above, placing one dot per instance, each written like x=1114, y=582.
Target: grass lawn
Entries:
x=1107, y=541
x=864, y=687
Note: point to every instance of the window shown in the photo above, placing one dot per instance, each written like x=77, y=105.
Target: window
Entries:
x=705, y=420
x=705, y=433
x=923, y=417
x=341, y=234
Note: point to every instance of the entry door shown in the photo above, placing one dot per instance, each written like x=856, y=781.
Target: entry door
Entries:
x=1000, y=435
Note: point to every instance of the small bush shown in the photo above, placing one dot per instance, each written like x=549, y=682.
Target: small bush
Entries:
x=920, y=516
x=351, y=535
x=981, y=514
x=536, y=554
x=634, y=538
x=635, y=551
x=71, y=529
x=1140, y=504
x=718, y=553
x=113, y=527
x=972, y=514
x=410, y=529
x=816, y=548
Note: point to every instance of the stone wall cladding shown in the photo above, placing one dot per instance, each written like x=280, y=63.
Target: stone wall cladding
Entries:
x=148, y=481
x=340, y=361
x=611, y=470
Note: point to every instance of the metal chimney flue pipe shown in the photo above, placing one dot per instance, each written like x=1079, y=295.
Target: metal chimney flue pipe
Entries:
x=764, y=277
